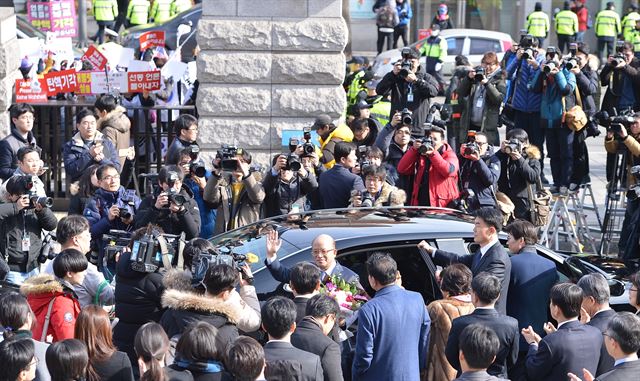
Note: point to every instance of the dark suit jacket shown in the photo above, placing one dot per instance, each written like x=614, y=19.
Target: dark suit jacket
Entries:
x=571, y=348
x=626, y=371
x=495, y=261
x=393, y=336
x=301, y=307
x=283, y=274
x=600, y=321
x=336, y=185
x=279, y=350
x=532, y=277
x=478, y=376
x=504, y=326
x=309, y=337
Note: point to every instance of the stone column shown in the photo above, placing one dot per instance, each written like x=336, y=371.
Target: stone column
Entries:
x=9, y=63
x=265, y=66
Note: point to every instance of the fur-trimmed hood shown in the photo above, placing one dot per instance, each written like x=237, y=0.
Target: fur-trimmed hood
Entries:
x=116, y=118
x=533, y=152
x=179, y=295
x=41, y=284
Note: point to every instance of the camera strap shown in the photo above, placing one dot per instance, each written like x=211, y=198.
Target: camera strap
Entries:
x=164, y=252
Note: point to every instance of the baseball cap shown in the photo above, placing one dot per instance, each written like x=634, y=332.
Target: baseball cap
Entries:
x=357, y=60
x=321, y=120
x=372, y=84
x=361, y=105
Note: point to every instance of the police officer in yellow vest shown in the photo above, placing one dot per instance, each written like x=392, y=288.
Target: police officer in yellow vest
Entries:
x=629, y=23
x=607, y=27
x=537, y=24
x=356, y=89
x=380, y=105
x=435, y=49
x=138, y=12
x=179, y=6
x=160, y=11
x=566, y=27
x=635, y=37
x=105, y=13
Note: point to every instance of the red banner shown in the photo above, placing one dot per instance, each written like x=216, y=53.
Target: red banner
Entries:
x=97, y=59
x=30, y=91
x=423, y=33
x=61, y=82
x=143, y=81
x=151, y=39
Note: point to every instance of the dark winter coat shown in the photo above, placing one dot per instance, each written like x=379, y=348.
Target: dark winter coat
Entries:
x=97, y=210
x=9, y=147
x=522, y=99
x=494, y=93
x=281, y=196
x=516, y=175
x=173, y=153
x=392, y=155
x=116, y=127
x=13, y=227
x=482, y=178
x=374, y=128
x=77, y=157
x=613, y=80
x=187, y=221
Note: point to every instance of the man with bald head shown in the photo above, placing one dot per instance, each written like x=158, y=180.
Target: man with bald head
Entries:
x=324, y=253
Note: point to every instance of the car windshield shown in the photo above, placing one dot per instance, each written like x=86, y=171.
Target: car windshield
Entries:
x=25, y=27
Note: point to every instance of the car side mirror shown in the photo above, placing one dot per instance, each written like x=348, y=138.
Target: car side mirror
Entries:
x=616, y=287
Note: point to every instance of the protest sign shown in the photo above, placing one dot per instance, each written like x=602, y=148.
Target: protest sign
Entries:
x=126, y=56
x=137, y=65
x=97, y=59
x=57, y=16
x=117, y=82
x=61, y=82
x=30, y=91
x=143, y=81
x=174, y=69
x=151, y=39
x=84, y=83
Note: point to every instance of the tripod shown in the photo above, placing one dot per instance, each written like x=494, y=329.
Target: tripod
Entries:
x=614, y=204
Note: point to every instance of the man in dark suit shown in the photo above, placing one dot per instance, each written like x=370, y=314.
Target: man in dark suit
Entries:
x=393, y=328
x=337, y=183
x=595, y=301
x=485, y=290
x=570, y=348
x=478, y=348
x=304, y=283
x=311, y=335
x=532, y=277
x=491, y=257
x=323, y=249
x=622, y=340
x=279, y=320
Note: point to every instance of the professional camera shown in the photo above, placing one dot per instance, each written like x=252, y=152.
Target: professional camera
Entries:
x=124, y=210
x=613, y=123
x=153, y=251
x=406, y=64
x=619, y=46
x=570, y=63
x=551, y=52
x=527, y=54
x=293, y=163
x=366, y=199
x=635, y=171
x=229, y=162
x=526, y=41
x=513, y=145
x=27, y=186
x=573, y=49
x=431, y=120
x=174, y=196
x=480, y=74
x=47, y=251
x=293, y=144
x=307, y=148
x=195, y=166
x=471, y=148
x=361, y=153
x=114, y=244
x=203, y=261
x=406, y=116
x=550, y=65
x=427, y=145
x=618, y=59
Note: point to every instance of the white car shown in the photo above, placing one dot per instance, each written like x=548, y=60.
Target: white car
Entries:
x=472, y=43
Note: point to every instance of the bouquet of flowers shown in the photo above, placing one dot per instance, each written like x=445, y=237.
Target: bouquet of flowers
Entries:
x=348, y=296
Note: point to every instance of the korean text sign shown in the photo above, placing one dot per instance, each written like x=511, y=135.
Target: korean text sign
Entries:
x=61, y=82
x=144, y=81
x=57, y=16
x=151, y=39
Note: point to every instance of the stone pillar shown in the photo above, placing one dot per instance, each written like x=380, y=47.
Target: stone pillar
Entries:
x=9, y=63
x=265, y=66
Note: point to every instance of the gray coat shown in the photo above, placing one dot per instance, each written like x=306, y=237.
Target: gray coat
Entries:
x=495, y=91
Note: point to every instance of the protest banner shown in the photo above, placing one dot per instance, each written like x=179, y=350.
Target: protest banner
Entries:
x=30, y=91
x=117, y=82
x=61, y=82
x=144, y=81
x=84, y=83
x=97, y=59
x=58, y=16
x=151, y=39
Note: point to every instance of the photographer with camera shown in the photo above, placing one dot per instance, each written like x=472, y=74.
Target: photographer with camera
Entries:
x=479, y=173
x=621, y=76
x=485, y=88
x=234, y=189
x=287, y=184
x=87, y=147
x=378, y=192
x=195, y=179
x=519, y=167
x=29, y=164
x=394, y=140
x=618, y=137
x=186, y=129
x=557, y=86
x=410, y=87
x=434, y=166
x=23, y=218
x=173, y=208
x=337, y=183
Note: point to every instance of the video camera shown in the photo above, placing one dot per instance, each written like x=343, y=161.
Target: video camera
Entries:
x=195, y=166
x=47, y=251
x=203, y=261
x=153, y=251
x=229, y=162
x=406, y=116
x=27, y=187
x=361, y=153
x=513, y=145
x=114, y=244
x=480, y=74
x=613, y=123
x=307, y=148
x=431, y=120
x=406, y=64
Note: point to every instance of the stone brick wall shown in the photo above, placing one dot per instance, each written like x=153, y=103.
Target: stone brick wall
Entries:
x=265, y=66
x=9, y=63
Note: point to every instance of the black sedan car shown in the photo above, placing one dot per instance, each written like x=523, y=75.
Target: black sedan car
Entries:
x=359, y=232
x=130, y=38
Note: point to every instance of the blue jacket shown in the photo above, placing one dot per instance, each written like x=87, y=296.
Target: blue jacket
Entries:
x=207, y=213
x=336, y=185
x=551, y=107
x=77, y=158
x=482, y=178
x=392, y=338
x=404, y=13
x=97, y=211
x=523, y=99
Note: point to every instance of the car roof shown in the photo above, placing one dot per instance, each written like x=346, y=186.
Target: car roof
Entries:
x=475, y=33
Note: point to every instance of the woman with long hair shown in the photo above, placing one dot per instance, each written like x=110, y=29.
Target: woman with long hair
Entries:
x=83, y=190
x=151, y=345
x=106, y=363
x=67, y=360
x=18, y=360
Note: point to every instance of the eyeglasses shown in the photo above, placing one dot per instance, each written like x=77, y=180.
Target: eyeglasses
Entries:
x=34, y=362
x=482, y=143
x=87, y=123
x=109, y=178
x=26, y=117
x=192, y=129
x=322, y=252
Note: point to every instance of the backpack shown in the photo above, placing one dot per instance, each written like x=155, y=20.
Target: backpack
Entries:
x=386, y=17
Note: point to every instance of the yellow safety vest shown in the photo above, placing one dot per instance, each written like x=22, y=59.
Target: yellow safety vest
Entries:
x=607, y=24
x=629, y=25
x=566, y=23
x=381, y=111
x=436, y=48
x=105, y=10
x=635, y=40
x=355, y=87
x=179, y=6
x=342, y=132
x=537, y=24
x=160, y=11
x=138, y=12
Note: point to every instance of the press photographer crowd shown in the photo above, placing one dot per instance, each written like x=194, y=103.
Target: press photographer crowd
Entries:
x=128, y=284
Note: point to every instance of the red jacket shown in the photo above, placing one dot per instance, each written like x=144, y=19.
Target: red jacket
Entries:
x=443, y=174
x=39, y=291
x=583, y=17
